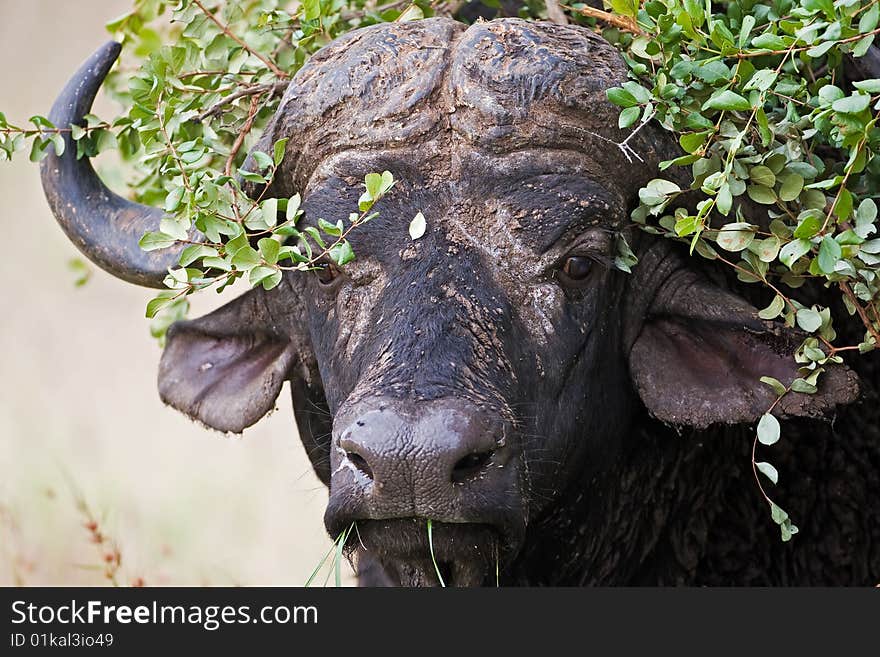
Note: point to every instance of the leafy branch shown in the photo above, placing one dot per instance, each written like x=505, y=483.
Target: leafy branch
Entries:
x=780, y=154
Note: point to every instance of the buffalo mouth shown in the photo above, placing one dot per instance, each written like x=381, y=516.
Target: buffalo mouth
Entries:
x=461, y=554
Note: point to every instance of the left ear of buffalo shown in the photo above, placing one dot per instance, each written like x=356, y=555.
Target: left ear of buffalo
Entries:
x=222, y=370
x=696, y=368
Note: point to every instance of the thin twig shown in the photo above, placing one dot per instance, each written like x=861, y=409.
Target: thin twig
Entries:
x=252, y=114
x=764, y=53
x=225, y=29
x=624, y=23
x=217, y=108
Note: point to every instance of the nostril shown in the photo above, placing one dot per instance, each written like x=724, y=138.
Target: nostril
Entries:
x=360, y=463
x=470, y=466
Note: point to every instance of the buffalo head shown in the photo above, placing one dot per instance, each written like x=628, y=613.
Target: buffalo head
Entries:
x=475, y=375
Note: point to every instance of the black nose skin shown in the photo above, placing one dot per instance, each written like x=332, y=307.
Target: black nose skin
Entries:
x=445, y=460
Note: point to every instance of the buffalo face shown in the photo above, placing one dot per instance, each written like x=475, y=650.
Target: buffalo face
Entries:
x=474, y=375
x=452, y=363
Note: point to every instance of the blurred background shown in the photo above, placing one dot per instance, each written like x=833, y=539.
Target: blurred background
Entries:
x=83, y=434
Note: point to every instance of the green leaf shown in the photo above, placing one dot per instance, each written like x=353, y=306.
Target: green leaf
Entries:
x=637, y=91
x=373, y=183
x=761, y=80
x=810, y=223
x=869, y=19
x=262, y=160
x=293, y=204
x=312, y=232
x=871, y=86
x=291, y=253
x=821, y=49
x=712, y=71
x=658, y=191
x=342, y=253
x=156, y=240
x=793, y=251
x=748, y=23
x=311, y=9
x=269, y=249
x=696, y=121
x=843, y=205
x=278, y=151
x=81, y=270
x=172, y=200
x=761, y=194
x=863, y=46
x=679, y=161
x=735, y=237
x=158, y=302
x=246, y=258
x=777, y=514
x=625, y=7
x=768, y=41
x=767, y=249
x=269, y=277
x=768, y=471
x=776, y=384
x=791, y=186
x=774, y=309
x=865, y=216
x=727, y=100
x=802, y=386
x=808, y=319
x=250, y=176
x=411, y=13
x=829, y=254
x=387, y=182
x=621, y=97
x=628, y=117
x=761, y=175
x=334, y=230
x=724, y=199
x=692, y=141
x=269, y=212
x=852, y=104
x=768, y=429
x=194, y=252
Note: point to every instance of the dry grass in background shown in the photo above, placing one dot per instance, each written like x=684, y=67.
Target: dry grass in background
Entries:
x=98, y=480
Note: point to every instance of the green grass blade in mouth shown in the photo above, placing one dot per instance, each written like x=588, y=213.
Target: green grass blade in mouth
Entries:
x=337, y=546
x=431, y=547
x=319, y=566
x=340, y=545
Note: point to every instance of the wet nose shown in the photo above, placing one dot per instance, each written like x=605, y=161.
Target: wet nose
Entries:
x=443, y=448
x=447, y=461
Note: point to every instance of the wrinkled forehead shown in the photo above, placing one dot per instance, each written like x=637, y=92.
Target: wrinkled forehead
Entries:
x=532, y=196
x=496, y=87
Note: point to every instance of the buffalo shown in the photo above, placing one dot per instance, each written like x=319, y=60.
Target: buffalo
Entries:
x=556, y=420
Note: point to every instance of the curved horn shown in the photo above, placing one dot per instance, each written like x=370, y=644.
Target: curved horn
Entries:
x=103, y=225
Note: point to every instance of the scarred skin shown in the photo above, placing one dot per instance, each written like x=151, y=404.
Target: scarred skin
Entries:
x=609, y=400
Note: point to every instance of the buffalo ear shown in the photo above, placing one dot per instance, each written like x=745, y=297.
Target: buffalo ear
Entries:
x=227, y=368
x=701, y=352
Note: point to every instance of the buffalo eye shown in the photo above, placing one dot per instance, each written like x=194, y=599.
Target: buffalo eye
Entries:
x=327, y=272
x=577, y=268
